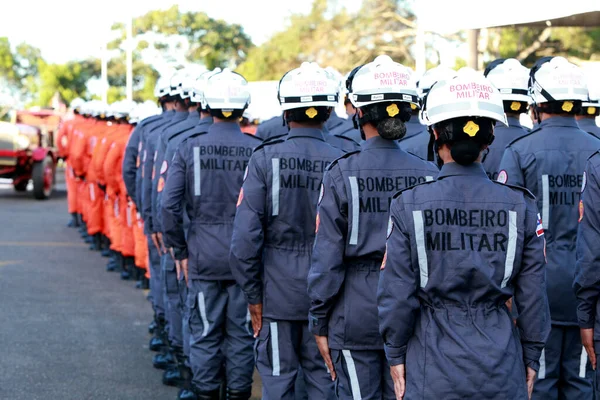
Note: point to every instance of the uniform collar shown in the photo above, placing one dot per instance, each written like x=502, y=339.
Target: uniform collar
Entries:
x=194, y=116
x=513, y=122
x=587, y=122
x=224, y=128
x=306, y=132
x=181, y=115
x=378, y=142
x=559, y=121
x=455, y=169
x=169, y=113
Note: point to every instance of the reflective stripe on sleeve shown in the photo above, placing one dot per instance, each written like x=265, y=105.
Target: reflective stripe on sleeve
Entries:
x=275, y=187
x=542, y=371
x=421, y=252
x=511, y=249
x=355, y=210
x=583, y=362
x=545, y=202
x=197, y=171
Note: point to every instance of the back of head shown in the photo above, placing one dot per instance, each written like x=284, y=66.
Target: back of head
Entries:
x=463, y=112
x=385, y=93
x=308, y=94
x=226, y=95
x=557, y=87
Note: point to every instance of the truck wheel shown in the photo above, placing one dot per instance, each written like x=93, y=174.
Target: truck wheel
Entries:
x=21, y=186
x=43, y=178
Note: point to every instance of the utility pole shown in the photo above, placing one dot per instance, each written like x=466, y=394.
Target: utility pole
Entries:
x=129, y=58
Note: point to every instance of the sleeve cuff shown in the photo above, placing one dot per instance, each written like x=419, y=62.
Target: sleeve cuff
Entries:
x=180, y=253
x=395, y=355
x=318, y=326
x=254, y=297
x=535, y=365
x=586, y=324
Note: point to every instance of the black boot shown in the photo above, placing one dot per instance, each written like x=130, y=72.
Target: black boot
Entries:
x=212, y=395
x=186, y=392
x=105, y=247
x=145, y=283
x=95, y=245
x=112, y=262
x=127, y=268
x=174, y=375
x=159, y=340
x=74, y=222
x=164, y=360
x=238, y=394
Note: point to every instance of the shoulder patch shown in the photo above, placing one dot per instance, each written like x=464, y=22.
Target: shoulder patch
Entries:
x=519, y=188
x=346, y=155
x=268, y=143
x=412, y=187
x=253, y=136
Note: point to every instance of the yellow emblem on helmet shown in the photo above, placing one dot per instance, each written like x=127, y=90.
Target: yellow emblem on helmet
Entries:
x=567, y=106
x=515, y=106
x=471, y=128
x=226, y=114
x=392, y=110
x=591, y=110
x=311, y=112
x=413, y=106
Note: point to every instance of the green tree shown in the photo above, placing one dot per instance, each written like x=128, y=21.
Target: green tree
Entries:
x=69, y=80
x=201, y=39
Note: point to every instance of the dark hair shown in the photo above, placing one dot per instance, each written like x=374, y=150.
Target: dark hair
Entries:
x=308, y=115
x=388, y=117
x=464, y=148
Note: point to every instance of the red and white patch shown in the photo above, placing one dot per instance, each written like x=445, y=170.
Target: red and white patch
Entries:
x=539, y=229
x=584, y=181
x=321, y=193
x=581, y=210
x=163, y=167
x=390, y=228
x=502, y=177
x=384, y=259
x=240, y=197
x=317, y=223
x=161, y=184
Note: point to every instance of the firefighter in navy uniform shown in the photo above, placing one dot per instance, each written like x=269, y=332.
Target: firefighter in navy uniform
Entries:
x=274, y=232
x=550, y=162
x=417, y=136
x=458, y=249
x=183, y=376
x=587, y=278
x=510, y=78
x=206, y=176
x=351, y=225
x=590, y=109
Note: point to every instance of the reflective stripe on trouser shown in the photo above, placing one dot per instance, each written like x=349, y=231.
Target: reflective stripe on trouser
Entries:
x=562, y=367
x=219, y=335
x=362, y=374
x=283, y=349
x=156, y=282
x=172, y=299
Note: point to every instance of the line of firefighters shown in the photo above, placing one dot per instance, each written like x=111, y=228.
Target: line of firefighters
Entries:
x=276, y=239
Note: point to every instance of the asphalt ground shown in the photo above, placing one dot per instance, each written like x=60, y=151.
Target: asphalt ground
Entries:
x=68, y=328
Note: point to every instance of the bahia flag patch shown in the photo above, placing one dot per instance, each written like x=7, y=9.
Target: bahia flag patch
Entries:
x=539, y=229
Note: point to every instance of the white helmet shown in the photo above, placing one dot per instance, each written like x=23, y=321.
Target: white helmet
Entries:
x=381, y=81
x=176, y=83
x=593, y=84
x=556, y=79
x=431, y=76
x=197, y=95
x=469, y=94
x=77, y=103
x=307, y=86
x=163, y=87
x=510, y=78
x=227, y=90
